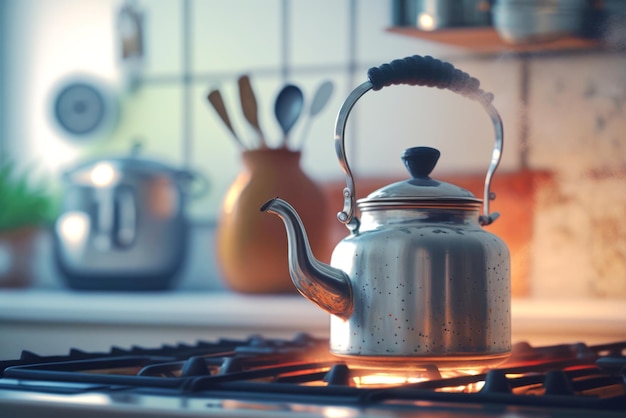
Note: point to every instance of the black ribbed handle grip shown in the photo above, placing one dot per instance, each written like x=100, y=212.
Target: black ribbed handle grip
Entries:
x=430, y=72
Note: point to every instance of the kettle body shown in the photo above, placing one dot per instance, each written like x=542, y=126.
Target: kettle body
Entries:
x=426, y=284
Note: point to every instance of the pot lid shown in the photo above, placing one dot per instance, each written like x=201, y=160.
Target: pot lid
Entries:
x=106, y=171
x=421, y=190
x=130, y=164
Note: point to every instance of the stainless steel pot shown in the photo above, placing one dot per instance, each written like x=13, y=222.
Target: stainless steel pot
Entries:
x=432, y=15
x=123, y=224
x=417, y=280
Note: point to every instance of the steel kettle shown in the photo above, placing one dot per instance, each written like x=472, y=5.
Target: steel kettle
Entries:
x=417, y=280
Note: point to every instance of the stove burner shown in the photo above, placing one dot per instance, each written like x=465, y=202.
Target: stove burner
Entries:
x=301, y=371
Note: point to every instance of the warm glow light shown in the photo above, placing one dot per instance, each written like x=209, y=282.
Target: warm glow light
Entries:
x=459, y=371
x=232, y=197
x=470, y=388
x=338, y=412
x=103, y=175
x=84, y=399
x=339, y=331
x=383, y=379
x=74, y=227
x=425, y=21
x=380, y=380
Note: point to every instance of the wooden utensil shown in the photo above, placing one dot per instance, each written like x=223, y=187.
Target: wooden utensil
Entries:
x=249, y=107
x=215, y=98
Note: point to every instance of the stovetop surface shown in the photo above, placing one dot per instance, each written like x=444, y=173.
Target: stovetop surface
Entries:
x=298, y=377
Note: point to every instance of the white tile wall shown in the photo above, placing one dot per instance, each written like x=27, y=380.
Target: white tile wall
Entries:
x=163, y=36
x=163, y=22
x=317, y=32
x=236, y=35
x=146, y=116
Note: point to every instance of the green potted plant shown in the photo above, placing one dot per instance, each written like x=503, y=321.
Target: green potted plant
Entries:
x=25, y=208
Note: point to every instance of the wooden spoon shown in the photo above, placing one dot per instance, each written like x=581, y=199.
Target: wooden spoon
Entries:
x=249, y=106
x=215, y=98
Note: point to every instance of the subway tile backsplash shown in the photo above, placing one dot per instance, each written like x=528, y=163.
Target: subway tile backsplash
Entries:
x=237, y=35
x=576, y=110
x=316, y=34
x=163, y=38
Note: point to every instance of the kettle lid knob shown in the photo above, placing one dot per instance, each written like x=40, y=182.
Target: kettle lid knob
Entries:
x=420, y=161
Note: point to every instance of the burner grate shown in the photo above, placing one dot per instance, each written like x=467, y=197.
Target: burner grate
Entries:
x=301, y=370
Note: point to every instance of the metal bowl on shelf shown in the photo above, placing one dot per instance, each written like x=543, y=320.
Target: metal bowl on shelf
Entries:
x=532, y=21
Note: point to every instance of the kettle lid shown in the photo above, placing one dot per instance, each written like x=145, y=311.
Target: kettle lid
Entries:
x=421, y=190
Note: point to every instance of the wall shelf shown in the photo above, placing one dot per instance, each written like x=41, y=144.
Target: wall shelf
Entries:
x=487, y=41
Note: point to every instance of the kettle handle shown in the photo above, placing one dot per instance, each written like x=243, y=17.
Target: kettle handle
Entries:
x=420, y=71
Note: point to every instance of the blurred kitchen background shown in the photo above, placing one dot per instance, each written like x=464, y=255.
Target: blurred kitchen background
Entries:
x=561, y=186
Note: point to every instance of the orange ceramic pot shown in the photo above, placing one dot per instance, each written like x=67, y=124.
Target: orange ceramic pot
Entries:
x=251, y=246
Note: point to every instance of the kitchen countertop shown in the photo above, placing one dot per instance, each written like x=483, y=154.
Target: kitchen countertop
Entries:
x=53, y=320
x=173, y=308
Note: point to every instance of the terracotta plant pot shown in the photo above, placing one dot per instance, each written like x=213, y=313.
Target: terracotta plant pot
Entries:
x=16, y=256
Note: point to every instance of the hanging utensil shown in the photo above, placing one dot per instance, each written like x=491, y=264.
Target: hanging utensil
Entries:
x=215, y=98
x=320, y=99
x=249, y=107
x=287, y=108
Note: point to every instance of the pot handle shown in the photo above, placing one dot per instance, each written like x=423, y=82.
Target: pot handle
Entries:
x=417, y=71
x=187, y=178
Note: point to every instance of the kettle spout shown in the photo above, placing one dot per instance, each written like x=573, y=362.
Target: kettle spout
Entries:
x=326, y=286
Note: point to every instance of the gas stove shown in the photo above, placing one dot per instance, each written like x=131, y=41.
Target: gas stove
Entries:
x=297, y=377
